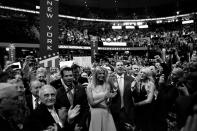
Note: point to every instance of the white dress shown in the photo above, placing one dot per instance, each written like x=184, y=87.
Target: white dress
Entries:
x=101, y=118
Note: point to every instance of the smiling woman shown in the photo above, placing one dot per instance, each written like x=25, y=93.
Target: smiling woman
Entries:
x=143, y=96
x=98, y=92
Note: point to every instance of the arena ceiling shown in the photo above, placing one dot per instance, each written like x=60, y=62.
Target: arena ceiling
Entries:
x=166, y=7
x=118, y=3
x=109, y=3
x=157, y=7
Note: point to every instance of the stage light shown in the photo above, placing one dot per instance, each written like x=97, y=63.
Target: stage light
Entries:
x=143, y=26
x=37, y=7
x=7, y=48
x=116, y=27
x=114, y=43
x=139, y=23
x=130, y=27
x=188, y=22
x=158, y=21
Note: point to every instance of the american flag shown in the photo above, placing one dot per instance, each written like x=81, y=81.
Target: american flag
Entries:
x=49, y=60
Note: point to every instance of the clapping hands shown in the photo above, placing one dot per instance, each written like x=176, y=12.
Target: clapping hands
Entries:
x=78, y=127
x=110, y=95
x=52, y=128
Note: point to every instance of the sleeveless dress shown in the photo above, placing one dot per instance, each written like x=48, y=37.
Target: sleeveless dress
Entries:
x=101, y=118
x=143, y=113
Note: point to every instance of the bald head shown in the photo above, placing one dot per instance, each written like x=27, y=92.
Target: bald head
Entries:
x=47, y=95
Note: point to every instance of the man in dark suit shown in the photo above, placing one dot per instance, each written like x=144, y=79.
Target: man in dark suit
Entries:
x=122, y=104
x=77, y=76
x=33, y=98
x=45, y=116
x=70, y=94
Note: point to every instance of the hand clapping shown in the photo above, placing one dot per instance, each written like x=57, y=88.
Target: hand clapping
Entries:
x=73, y=112
x=51, y=128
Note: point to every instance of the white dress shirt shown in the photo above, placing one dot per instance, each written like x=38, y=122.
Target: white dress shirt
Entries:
x=121, y=88
x=34, y=102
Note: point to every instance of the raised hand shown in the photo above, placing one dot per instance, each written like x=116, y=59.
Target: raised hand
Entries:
x=110, y=95
x=133, y=85
x=73, y=112
x=113, y=94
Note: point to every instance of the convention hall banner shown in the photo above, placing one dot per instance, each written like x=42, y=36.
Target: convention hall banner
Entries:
x=84, y=61
x=12, y=52
x=48, y=32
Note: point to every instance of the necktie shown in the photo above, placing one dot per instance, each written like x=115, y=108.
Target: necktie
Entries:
x=121, y=88
x=36, y=103
x=70, y=97
x=56, y=117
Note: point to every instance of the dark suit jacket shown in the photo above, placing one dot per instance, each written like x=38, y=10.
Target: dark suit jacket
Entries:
x=115, y=105
x=7, y=125
x=39, y=120
x=163, y=105
x=80, y=98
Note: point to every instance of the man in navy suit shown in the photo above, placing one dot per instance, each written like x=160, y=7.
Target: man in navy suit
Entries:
x=122, y=104
x=70, y=95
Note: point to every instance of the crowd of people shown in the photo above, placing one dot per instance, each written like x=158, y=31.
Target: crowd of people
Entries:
x=74, y=32
x=155, y=96
x=123, y=93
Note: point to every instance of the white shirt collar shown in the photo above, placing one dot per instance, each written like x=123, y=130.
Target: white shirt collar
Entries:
x=122, y=76
x=51, y=110
x=33, y=97
x=34, y=101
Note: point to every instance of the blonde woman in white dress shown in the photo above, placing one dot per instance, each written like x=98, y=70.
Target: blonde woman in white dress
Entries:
x=98, y=92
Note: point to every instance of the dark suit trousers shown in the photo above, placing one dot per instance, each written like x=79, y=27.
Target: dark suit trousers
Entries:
x=120, y=119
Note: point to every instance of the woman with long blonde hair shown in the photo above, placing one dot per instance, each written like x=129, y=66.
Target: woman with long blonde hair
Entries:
x=98, y=92
x=143, y=95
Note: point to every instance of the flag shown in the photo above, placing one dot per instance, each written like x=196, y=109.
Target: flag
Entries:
x=48, y=54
